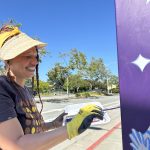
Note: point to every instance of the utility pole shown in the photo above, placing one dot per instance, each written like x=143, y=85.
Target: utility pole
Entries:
x=67, y=86
x=107, y=75
x=107, y=85
x=64, y=55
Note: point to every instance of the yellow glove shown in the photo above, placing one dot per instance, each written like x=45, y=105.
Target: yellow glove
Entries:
x=83, y=119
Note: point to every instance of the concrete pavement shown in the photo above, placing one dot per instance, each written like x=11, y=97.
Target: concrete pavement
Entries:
x=101, y=137
x=112, y=140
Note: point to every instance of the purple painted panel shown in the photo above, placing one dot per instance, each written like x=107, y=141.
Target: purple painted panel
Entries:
x=133, y=42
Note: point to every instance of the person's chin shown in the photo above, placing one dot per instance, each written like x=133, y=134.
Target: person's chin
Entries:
x=30, y=75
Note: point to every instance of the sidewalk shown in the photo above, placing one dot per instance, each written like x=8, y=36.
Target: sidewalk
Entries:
x=112, y=140
x=103, y=137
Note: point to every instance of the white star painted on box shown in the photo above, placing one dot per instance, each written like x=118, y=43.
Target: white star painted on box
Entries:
x=147, y=1
x=141, y=62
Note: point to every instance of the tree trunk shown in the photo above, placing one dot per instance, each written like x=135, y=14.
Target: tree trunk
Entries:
x=78, y=89
x=91, y=86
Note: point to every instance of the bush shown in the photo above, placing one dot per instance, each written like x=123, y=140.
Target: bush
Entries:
x=95, y=93
x=78, y=94
x=89, y=94
x=116, y=90
x=86, y=94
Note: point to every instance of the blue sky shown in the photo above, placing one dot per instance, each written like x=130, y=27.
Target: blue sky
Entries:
x=87, y=25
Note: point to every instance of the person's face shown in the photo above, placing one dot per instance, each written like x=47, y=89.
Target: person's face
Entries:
x=23, y=66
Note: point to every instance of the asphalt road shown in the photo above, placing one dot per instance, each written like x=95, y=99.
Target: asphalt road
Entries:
x=55, y=107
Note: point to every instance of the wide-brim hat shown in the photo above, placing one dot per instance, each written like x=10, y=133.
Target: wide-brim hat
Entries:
x=18, y=44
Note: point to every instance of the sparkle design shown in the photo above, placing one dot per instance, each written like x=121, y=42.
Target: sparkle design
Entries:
x=141, y=62
x=140, y=141
x=147, y=1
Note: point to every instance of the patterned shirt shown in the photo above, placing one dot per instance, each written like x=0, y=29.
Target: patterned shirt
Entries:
x=16, y=101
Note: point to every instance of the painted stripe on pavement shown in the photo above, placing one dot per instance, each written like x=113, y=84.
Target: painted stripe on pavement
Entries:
x=94, y=145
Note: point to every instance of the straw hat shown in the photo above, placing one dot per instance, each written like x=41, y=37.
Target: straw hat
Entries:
x=18, y=44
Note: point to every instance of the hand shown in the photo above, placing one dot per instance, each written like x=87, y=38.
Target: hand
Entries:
x=59, y=120
x=83, y=119
x=138, y=141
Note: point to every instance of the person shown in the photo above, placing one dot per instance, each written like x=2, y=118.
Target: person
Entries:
x=20, y=121
x=7, y=144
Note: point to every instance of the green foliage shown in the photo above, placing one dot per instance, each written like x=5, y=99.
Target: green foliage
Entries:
x=82, y=76
x=74, y=60
x=42, y=52
x=43, y=86
x=57, y=76
x=77, y=94
x=28, y=83
x=12, y=22
x=77, y=60
x=89, y=94
x=96, y=70
x=115, y=90
x=76, y=83
x=2, y=70
x=84, y=94
x=114, y=80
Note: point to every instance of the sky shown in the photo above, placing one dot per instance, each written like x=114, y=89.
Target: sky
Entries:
x=87, y=25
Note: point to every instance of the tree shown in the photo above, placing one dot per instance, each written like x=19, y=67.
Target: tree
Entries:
x=44, y=87
x=114, y=80
x=76, y=83
x=11, y=22
x=42, y=52
x=96, y=71
x=57, y=75
x=77, y=61
x=114, y=83
x=2, y=71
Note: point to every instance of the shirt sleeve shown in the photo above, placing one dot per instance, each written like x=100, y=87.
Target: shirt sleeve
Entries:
x=7, y=105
